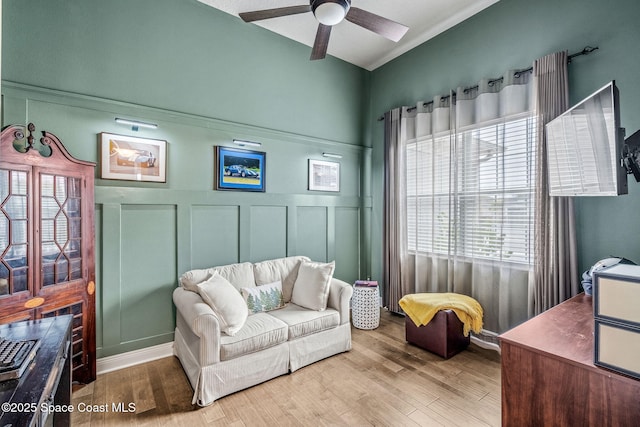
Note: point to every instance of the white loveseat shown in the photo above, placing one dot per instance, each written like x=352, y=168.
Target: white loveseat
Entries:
x=266, y=344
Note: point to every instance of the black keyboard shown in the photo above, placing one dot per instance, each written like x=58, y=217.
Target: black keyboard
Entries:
x=13, y=354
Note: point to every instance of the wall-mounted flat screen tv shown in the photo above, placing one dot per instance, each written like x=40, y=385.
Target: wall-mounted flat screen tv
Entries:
x=584, y=148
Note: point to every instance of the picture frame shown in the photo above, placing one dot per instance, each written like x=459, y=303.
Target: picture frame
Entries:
x=131, y=158
x=324, y=175
x=239, y=169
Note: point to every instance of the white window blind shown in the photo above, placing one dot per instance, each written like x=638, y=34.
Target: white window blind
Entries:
x=471, y=193
x=429, y=193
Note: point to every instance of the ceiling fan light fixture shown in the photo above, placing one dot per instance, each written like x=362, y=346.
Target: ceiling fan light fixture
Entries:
x=330, y=12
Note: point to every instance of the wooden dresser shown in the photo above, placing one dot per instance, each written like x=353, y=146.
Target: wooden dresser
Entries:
x=548, y=375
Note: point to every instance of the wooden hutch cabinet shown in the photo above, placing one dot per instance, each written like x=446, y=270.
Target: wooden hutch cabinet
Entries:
x=47, y=238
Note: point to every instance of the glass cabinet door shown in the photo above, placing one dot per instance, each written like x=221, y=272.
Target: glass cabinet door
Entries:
x=60, y=229
x=14, y=238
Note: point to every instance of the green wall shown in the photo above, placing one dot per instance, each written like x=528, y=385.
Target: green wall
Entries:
x=181, y=55
x=511, y=34
x=72, y=66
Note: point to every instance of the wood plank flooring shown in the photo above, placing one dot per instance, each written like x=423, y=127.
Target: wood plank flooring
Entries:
x=382, y=381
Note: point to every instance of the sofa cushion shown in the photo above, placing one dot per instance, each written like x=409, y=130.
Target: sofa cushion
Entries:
x=225, y=301
x=311, y=289
x=259, y=332
x=264, y=297
x=283, y=269
x=239, y=275
x=302, y=321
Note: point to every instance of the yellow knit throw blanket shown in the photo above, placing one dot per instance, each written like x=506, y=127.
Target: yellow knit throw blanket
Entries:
x=422, y=307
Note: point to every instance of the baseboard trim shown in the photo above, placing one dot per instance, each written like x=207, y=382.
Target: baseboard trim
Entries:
x=485, y=345
x=132, y=358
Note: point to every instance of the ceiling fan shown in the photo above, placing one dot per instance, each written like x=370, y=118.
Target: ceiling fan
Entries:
x=329, y=13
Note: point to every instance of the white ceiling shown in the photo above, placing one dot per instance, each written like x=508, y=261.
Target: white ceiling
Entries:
x=354, y=44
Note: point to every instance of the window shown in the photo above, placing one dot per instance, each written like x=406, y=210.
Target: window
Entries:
x=471, y=193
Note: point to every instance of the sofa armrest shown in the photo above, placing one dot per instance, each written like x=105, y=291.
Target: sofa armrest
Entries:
x=339, y=298
x=201, y=322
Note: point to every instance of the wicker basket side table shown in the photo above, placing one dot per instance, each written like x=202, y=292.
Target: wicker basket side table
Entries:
x=365, y=307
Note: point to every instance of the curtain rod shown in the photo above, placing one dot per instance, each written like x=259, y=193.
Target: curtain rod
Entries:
x=586, y=51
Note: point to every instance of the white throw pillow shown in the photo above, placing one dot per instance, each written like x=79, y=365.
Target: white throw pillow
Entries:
x=264, y=297
x=226, y=302
x=191, y=279
x=311, y=289
x=283, y=269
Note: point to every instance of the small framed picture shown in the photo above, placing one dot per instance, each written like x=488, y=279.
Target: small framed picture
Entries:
x=132, y=158
x=239, y=169
x=324, y=176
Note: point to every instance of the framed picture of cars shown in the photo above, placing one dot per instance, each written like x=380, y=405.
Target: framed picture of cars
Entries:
x=239, y=169
x=132, y=158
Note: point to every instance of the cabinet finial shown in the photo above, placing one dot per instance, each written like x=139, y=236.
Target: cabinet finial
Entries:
x=31, y=128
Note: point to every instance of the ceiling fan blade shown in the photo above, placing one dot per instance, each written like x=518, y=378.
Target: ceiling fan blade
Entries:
x=379, y=25
x=321, y=43
x=259, y=15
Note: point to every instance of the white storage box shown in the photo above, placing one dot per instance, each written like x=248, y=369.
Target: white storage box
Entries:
x=617, y=319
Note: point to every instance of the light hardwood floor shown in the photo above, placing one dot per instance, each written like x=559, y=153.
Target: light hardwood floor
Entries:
x=382, y=381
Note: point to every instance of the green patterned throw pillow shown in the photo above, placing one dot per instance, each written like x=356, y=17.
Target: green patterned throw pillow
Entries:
x=264, y=297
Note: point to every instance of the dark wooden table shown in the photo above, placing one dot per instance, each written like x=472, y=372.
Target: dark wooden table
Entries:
x=548, y=375
x=43, y=393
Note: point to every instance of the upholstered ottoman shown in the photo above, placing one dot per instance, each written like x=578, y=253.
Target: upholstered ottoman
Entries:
x=443, y=335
